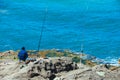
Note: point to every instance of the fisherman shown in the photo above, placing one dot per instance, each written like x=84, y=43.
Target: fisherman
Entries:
x=23, y=55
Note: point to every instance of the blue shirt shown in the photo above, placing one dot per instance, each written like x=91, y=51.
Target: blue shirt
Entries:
x=23, y=55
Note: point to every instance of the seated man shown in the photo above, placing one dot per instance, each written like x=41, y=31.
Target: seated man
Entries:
x=23, y=55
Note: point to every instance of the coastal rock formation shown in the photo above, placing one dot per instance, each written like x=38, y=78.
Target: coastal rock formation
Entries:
x=49, y=68
x=43, y=70
x=55, y=68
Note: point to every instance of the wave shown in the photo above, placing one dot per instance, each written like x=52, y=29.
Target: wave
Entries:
x=6, y=47
x=108, y=60
x=111, y=60
x=3, y=11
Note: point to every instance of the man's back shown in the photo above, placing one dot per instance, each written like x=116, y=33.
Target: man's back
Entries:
x=23, y=54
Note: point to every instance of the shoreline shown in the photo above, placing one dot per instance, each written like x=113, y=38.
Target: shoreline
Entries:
x=89, y=69
x=108, y=60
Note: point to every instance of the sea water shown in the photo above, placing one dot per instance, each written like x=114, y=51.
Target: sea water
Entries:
x=95, y=24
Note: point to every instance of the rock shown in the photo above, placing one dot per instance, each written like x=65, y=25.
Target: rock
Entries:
x=101, y=73
x=48, y=69
x=113, y=68
x=57, y=69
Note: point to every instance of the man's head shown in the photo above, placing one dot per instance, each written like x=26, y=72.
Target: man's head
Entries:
x=23, y=48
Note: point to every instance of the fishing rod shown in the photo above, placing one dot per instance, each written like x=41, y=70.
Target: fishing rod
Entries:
x=81, y=50
x=82, y=41
x=42, y=29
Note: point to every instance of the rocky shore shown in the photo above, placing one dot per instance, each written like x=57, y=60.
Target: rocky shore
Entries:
x=54, y=67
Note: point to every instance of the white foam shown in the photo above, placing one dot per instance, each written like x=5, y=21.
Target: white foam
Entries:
x=112, y=61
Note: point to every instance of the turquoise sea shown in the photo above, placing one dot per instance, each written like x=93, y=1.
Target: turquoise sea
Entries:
x=95, y=24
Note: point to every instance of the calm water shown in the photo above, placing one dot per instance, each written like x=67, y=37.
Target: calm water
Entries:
x=93, y=23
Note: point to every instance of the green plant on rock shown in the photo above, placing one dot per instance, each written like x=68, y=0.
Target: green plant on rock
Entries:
x=67, y=54
x=76, y=59
x=51, y=54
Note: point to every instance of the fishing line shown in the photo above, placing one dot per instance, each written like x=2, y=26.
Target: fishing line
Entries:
x=42, y=29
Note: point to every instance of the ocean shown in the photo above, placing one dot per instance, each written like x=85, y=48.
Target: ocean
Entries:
x=95, y=24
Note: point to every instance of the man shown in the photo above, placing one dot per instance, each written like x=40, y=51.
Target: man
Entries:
x=23, y=55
